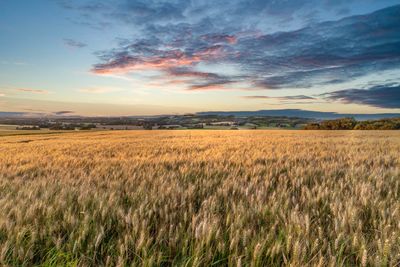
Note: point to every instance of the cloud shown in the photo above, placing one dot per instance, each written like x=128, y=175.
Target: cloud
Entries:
x=187, y=72
x=74, y=44
x=293, y=97
x=326, y=52
x=64, y=112
x=99, y=90
x=320, y=54
x=257, y=97
x=299, y=97
x=33, y=91
x=15, y=63
x=381, y=96
x=224, y=12
x=216, y=84
x=219, y=38
x=141, y=56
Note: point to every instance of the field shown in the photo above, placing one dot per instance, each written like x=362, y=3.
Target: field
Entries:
x=201, y=198
x=7, y=130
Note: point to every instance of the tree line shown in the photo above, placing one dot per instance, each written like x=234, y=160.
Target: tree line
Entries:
x=352, y=124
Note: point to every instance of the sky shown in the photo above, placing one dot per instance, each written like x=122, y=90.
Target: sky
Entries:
x=148, y=57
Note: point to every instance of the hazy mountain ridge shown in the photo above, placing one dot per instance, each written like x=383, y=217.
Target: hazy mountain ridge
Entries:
x=301, y=114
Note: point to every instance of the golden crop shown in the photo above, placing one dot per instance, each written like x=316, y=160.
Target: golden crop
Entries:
x=201, y=198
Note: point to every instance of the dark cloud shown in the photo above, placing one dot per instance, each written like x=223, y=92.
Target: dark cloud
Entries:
x=219, y=38
x=63, y=112
x=299, y=97
x=214, y=84
x=186, y=72
x=288, y=100
x=145, y=11
x=227, y=12
x=329, y=51
x=382, y=96
x=74, y=43
x=321, y=54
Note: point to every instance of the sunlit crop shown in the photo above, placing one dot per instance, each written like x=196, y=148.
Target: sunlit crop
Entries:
x=201, y=198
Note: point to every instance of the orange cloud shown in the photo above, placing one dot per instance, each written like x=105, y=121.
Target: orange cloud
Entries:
x=128, y=64
x=171, y=59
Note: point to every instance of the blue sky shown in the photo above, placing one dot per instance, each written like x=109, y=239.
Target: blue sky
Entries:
x=130, y=57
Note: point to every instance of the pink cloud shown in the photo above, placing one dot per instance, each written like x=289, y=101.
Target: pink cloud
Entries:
x=171, y=59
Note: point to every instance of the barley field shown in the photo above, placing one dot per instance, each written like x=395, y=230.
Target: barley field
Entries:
x=201, y=198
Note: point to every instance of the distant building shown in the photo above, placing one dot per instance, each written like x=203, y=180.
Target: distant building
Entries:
x=27, y=127
x=223, y=123
x=121, y=127
x=170, y=126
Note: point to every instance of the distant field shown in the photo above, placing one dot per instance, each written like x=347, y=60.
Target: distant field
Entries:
x=6, y=130
x=9, y=130
x=201, y=198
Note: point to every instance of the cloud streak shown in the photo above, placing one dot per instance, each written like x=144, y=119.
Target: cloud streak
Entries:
x=99, y=90
x=293, y=97
x=63, y=112
x=381, y=96
x=33, y=91
x=74, y=44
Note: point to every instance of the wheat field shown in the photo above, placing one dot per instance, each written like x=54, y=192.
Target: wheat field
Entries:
x=201, y=198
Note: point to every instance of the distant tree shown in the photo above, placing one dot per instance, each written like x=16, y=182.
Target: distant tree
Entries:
x=352, y=124
x=28, y=128
x=312, y=126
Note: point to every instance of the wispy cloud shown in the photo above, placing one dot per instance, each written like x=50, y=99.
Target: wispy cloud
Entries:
x=293, y=97
x=33, y=91
x=99, y=90
x=223, y=14
x=217, y=84
x=288, y=100
x=73, y=43
x=15, y=63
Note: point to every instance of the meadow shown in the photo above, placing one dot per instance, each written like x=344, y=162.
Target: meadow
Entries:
x=200, y=198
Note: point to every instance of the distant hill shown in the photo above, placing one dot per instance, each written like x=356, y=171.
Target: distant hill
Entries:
x=4, y=114
x=301, y=114
x=12, y=114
